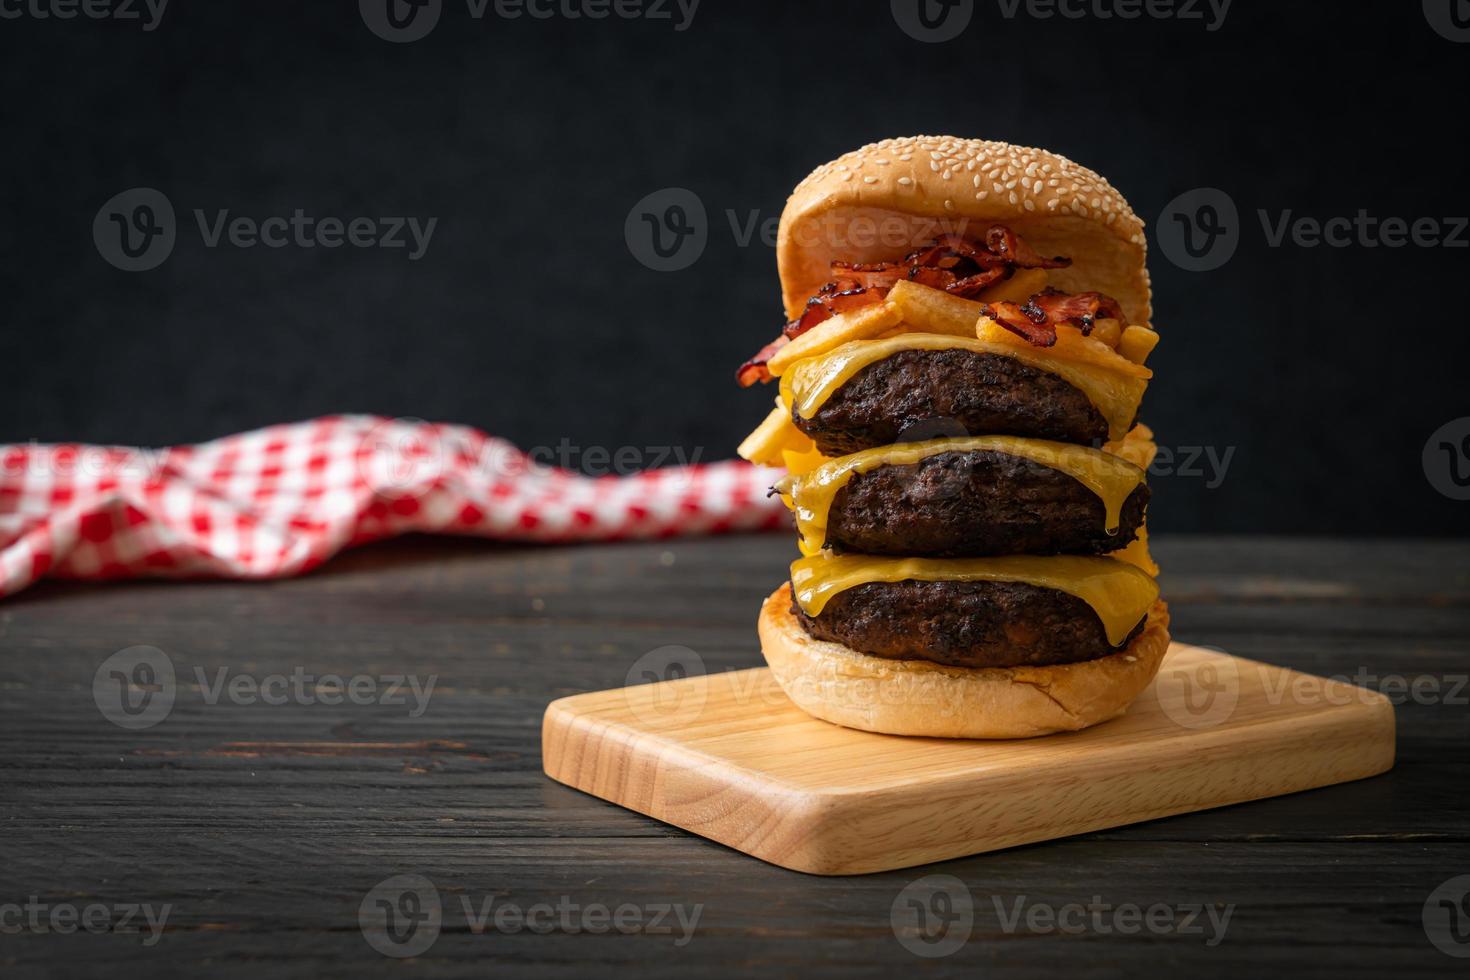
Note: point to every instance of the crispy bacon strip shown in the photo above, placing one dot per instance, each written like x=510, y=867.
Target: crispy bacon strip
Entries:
x=958, y=265
x=880, y=275
x=1037, y=320
x=838, y=296
x=1010, y=246
x=970, y=285
x=1002, y=247
x=755, y=369
x=1079, y=309
x=1025, y=321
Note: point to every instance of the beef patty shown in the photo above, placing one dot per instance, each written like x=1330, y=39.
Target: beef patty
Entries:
x=963, y=624
x=975, y=503
x=964, y=390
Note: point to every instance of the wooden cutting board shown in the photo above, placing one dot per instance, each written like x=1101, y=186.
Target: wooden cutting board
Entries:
x=729, y=757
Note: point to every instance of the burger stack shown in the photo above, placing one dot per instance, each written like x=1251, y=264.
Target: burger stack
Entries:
x=959, y=382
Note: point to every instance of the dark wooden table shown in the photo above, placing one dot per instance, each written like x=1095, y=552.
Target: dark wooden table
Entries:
x=264, y=827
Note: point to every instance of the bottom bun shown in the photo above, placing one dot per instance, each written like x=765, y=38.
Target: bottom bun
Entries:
x=916, y=697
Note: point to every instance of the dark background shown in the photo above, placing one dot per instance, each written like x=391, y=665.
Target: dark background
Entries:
x=1326, y=369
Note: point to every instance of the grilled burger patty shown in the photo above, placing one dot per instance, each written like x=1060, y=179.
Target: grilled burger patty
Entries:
x=975, y=503
x=981, y=394
x=963, y=624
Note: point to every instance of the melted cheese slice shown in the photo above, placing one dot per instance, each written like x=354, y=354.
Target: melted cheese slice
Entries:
x=808, y=384
x=1120, y=594
x=1108, y=475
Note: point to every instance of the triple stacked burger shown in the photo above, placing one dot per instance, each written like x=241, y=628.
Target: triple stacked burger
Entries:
x=959, y=386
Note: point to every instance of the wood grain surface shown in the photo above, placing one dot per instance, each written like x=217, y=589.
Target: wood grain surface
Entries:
x=730, y=757
x=265, y=827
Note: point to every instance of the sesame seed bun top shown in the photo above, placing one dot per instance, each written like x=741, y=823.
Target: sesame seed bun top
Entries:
x=887, y=198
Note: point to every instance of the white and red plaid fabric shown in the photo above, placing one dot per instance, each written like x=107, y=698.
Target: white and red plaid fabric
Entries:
x=281, y=500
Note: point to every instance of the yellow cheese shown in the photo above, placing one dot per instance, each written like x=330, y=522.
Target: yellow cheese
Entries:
x=797, y=463
x=1120, y=594
x=810, y=496
x=808, y=384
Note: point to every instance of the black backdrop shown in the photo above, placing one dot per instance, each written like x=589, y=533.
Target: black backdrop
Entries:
x=1324, y=369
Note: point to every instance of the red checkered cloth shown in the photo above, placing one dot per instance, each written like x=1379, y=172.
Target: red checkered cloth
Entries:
x=280, y=501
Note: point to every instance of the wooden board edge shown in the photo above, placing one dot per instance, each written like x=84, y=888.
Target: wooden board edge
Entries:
x=817, y=828
x=761, y=805
x=1364, y=732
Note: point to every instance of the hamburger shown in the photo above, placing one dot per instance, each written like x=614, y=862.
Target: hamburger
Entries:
x=959, y=381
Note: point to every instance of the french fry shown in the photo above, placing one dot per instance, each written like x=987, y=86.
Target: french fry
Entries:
x=860, y=324
x=773, y=438
x=935, y=311
x=1107, y=330
x=1020, y=287
x=1071, y=345
x=1137, y=446
x=1137, y=343
x=931, y=310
